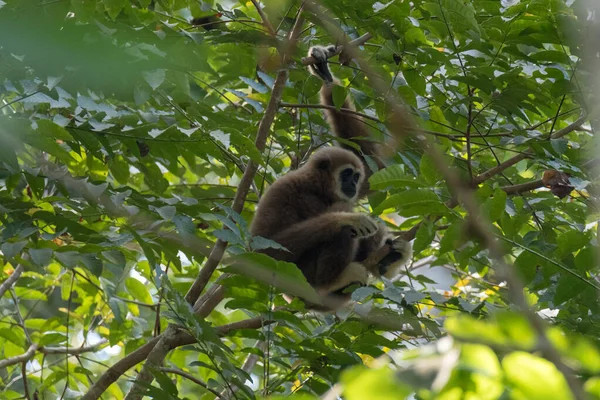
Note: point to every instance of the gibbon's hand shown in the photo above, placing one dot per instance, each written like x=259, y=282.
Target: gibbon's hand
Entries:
x=400, y=254
x=320, y=68
x=360, y=225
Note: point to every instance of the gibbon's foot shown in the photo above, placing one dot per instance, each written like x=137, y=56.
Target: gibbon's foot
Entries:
x=400, y=254
x=360, y=225
x=320, y=68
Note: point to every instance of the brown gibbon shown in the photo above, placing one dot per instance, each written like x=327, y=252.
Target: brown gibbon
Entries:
x=309, y=211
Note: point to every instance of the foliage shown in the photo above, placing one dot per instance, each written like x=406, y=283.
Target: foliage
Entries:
x=124, y=133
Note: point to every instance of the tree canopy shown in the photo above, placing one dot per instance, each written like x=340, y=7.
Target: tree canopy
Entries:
x=136, y=139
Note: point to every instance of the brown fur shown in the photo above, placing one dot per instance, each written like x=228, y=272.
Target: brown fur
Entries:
x=305, y=211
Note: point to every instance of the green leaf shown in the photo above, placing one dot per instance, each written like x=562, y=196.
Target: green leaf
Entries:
x=138, y=290
x=496, y=205
x=114, y=7
x=392, y=177
x=11, y=250
x=423, y=238
x=57, y=132
x=154, y=78
x=413, y=202
x=461, y=17
x=92, y=263
x=40, y=257
x=361, y=383
x=571, y=241
x=429, y=171
x=534, y=378
x=166, y=212
x=415, y=80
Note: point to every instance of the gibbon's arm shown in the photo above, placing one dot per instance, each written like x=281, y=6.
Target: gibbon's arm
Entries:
x=312, y=232
x=344, y=125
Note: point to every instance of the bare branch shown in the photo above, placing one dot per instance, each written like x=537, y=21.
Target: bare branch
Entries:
x=264, y=18
x=73, y=350
x=324, y=106
x=28, y=355
x=10, y=281
x=523, y=187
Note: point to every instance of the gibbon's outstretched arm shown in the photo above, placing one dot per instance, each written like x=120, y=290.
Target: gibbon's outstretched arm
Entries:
x=344, y=125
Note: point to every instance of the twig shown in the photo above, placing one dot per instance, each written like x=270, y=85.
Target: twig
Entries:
x=523, y=187
x=10, y=281
x=28, y=355
x=324, y=106
x=191, y=378
x=519, y=157
x=264, y=18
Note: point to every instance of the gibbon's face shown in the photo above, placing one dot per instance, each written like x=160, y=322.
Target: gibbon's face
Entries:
x=338, y=171
x=348, y=180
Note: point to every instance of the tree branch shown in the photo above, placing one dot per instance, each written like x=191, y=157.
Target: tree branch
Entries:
x=523, y=187
x=519, y=157
x=10, y=281
x=324, y=106
x=261, y=138
x=30, y=353
x=264, y=18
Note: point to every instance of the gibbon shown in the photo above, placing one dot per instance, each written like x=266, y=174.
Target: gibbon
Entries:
x=309, y=211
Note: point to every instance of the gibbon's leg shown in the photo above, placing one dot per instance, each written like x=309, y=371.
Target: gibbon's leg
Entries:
x=312, y=233
x=399, y=256
x=389, y=266
x=333, y=268
x=368, y=245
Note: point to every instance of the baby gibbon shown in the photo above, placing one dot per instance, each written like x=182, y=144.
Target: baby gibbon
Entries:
x=309, y=211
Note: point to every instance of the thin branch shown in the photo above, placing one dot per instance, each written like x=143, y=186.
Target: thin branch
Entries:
x=264, y=18
x=523, y=187
x=119, y=368
x=30, y=353
x=324, y=106
x=519, y=157
x=191, y=378
x=10, y=281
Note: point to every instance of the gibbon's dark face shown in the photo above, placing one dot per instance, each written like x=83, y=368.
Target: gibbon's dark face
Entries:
x=349, y=181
